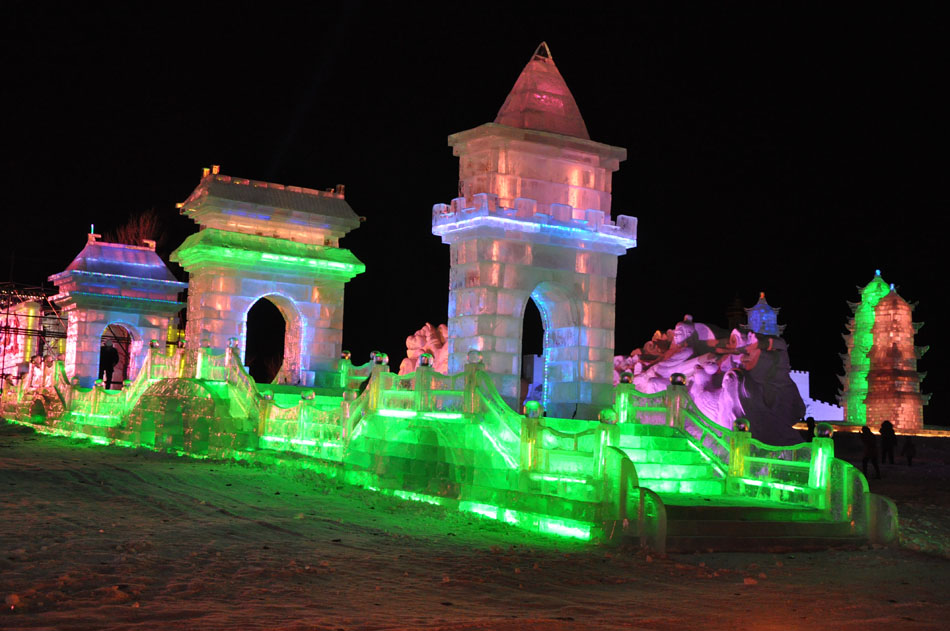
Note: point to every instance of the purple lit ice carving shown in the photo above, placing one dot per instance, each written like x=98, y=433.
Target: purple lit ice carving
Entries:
x=742, y=374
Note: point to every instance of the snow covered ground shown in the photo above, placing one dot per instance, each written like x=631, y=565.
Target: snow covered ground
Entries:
x=95, y=537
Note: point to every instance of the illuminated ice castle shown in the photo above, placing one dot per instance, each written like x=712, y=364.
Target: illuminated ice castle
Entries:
x=533, y=222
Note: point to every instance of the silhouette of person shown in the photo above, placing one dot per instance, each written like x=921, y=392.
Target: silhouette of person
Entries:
x=888, y=442
x=870, y=452
x=909, y=451
x=108, y=358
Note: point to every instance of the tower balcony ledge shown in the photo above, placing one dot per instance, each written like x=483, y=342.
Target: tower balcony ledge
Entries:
x=525, y=216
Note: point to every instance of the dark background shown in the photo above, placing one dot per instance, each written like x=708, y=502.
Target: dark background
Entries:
x=786, y=148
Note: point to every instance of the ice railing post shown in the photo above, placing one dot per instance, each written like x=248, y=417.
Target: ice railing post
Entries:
x=530, y=429
x=423, y=383
x=739, y=449
x=472, y=367
x=376, y=386
x=344, y=368
x=675, y=396
x=819, y=474
x=622, y=399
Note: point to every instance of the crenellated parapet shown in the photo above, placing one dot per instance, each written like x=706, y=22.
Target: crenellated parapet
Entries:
x=562, y=222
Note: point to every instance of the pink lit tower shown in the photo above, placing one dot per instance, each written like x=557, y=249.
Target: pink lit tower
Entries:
x=881, y=382
x=532, y=222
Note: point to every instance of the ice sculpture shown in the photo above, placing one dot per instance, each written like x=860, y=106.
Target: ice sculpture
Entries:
x=763, y=318
x=261, y=240
x=429, y=339
x=114, y=284
x=450, y=439
x=742, y=374
x=881, y=382
x=533, y=223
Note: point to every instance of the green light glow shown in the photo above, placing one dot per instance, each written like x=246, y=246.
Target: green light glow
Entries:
x=498, y=448
x=443, y=416
x=557, y=478
x=433, y=416
x=216, y=247
x=772, y=485
x=715, y=465
x=419, y=497
x=397, y=413
x=569, y=528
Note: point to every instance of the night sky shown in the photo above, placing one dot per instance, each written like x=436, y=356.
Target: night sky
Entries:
x=771, y=147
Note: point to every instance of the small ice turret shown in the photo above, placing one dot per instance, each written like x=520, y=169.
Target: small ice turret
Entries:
x=114, y=284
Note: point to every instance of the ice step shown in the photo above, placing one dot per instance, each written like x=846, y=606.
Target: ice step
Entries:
x=653, y=442
x=726, y=510
x=733, y=543
x=708, y=486
x=664, y=471
x=668, y=456
x=643, y=429
x=734, y=528
x=766, y=528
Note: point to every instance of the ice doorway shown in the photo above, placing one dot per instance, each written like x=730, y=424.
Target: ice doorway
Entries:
x=557, y=368
x=532, y=355
x=115, y=355
x=266, y=330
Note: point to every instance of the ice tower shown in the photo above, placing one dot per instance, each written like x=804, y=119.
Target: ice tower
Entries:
x=763, y=318
x=260, y=240
x=112, y=284
x=881, y=382
x=532, y=221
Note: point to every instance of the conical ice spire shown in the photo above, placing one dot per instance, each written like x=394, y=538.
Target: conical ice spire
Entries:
x=541, y=100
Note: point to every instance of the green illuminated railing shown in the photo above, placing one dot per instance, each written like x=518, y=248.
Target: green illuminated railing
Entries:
x=797, y=474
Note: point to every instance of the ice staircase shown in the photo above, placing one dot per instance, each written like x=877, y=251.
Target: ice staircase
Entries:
x=669, y=464
x=703, y=524
x=700, y=516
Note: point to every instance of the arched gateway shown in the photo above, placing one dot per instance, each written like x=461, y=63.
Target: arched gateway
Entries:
x=533, y=221
x=281, y=243
x=114, y=287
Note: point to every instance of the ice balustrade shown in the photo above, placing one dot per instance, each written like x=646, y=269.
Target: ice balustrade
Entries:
x=350, y=376
x=242, y=390
x=575, y=449
x=796, y=474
